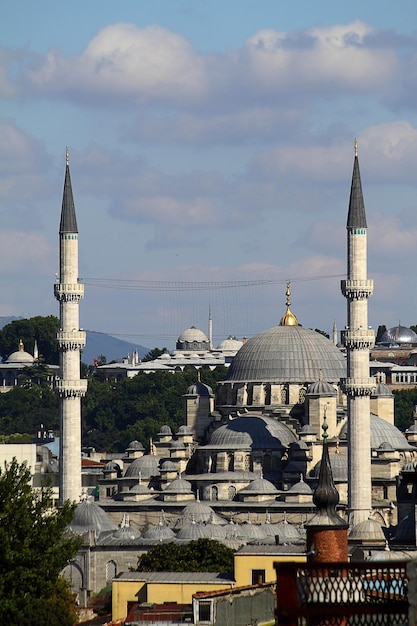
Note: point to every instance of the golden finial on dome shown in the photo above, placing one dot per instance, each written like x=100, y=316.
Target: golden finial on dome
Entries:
x=288, y=319
x=355, y=144
x=21, y=346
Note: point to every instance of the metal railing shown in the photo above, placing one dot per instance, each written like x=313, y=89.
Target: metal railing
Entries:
x=342, y=593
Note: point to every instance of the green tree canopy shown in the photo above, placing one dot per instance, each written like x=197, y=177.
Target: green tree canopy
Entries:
x=202, y=555
x=33, y=551
x=38, y=328
x=153, y=354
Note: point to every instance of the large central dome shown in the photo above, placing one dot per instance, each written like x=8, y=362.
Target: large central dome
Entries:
x=286, y=354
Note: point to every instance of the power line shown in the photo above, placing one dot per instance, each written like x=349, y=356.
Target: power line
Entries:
x=164, y=285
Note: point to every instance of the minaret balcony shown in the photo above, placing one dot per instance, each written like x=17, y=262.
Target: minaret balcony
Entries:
x=357, y=289
x=73, y=340
x=71, y=388
x=358, y=339
x=69, y=292
x=358, y=386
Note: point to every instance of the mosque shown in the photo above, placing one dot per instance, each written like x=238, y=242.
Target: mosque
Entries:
x=243, y=466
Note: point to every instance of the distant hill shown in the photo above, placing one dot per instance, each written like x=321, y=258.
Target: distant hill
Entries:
x=98, y=343
x=112, y=348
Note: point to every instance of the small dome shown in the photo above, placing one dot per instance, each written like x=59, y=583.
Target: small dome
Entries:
x=179, y=485
x=159, y=533
x=165, y=430
x=287, y=532
x=184, y=430
x=260, y=486
x=90, y=516
x=145, y=467
x=398, y=335
x=169, y=466
x=368, y=530
x=194, y=531
x=141, y=489
x=126, y=533
x=200, y=512
x=111, y=466
x=192, y=334
x=301, y=488
x=247, y=531
x=256, y=431
x=199, y=389
x=20, y=356
x=321, y=388
x=135, y=445
x=230, y=344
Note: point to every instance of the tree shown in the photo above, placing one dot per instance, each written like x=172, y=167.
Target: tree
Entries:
x=381, y=330
x=202, y=555
x=40, y=329
x=153, y=354
x=34, y=549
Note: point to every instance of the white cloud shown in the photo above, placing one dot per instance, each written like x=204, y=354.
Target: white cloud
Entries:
x=123, y=61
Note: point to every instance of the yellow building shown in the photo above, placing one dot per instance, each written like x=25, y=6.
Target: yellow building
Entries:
x=253, y=565
x=160, y=587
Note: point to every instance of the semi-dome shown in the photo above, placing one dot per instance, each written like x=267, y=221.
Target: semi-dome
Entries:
x=382, y=431
x=339, y=465
x=398, y=335
x=258, y=432
x=286, y=354
x=89, y=515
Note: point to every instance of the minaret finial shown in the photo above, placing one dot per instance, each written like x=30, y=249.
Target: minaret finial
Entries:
x=355, y=145
x=66, y=156
x=288, y=319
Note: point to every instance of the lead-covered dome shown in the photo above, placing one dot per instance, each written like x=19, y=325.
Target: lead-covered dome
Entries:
x=257, y=432
x=382, y=432
x=285, y=354
x=398, y=336
x=21, y=356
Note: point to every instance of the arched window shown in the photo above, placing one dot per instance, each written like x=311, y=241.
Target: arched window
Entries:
x=111, y=571
x=214, y=493
x=231, y=492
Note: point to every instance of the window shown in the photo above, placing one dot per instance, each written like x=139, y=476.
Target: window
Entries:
x=204, y=611
x=111, y=571
x=258, y=576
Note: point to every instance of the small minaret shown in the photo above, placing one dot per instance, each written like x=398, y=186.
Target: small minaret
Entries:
x=327, y=538
x=71, y=340
x=358, y=340
x=335, y=342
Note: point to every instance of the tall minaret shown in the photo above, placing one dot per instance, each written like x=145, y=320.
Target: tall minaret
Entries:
x=358, y=339
x=71, y=340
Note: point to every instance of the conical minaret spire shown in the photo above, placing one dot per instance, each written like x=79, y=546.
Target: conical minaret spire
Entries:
x=71, y=340
x=358, y=339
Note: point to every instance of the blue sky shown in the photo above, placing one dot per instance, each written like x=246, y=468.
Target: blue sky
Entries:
x=210, y=142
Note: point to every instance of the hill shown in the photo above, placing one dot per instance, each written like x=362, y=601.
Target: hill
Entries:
x=98, y=343
x=111, y=347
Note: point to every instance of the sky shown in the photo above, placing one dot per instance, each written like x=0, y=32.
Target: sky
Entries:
x=211, y=153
